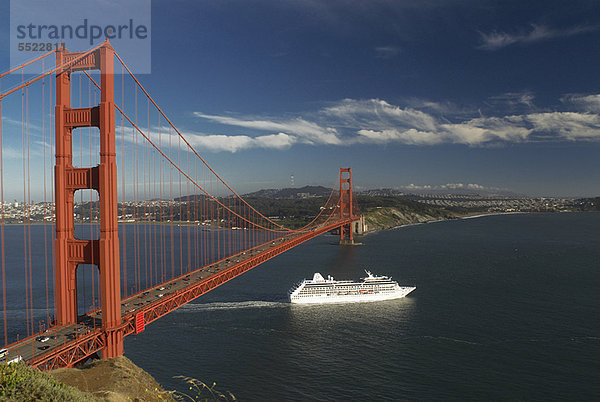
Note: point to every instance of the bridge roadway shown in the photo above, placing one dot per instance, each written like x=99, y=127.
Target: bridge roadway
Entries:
x=61, y=346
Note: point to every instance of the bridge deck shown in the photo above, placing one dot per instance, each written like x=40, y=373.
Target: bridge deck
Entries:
x=66, y=345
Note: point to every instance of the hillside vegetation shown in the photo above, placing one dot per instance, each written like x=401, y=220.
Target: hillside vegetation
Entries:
x=381, y=212
x=384, y=212
x=115, y=379
x=19, y=382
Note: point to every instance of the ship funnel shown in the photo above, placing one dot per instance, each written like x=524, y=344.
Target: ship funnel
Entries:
x=318, y=277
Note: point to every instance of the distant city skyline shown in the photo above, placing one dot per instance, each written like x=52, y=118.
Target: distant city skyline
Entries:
x=480, y=94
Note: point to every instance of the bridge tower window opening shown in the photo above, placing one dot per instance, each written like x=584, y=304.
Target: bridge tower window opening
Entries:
x=86, y=214
x=86, y=147
x=87, y=289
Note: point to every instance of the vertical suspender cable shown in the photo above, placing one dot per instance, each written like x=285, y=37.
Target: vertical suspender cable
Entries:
x=171, y=207
x=45, y=199
x=163, y=243
x=213, y=231
x=188, y=197
x=135, y=203
x=123, y=191
x=195, y=216
x=81, y=209
x=158, y=219
x=149, y=203
x=29, y=215
x=152, y=191
x=204, y=233
x=52, y=199
x=228, y=225
x=218, y=225
x=2, y=226
x=95, y=271
x=24, y=209
x=180, y=214
x=93, y=268
x=145, y=203
x=160, y=207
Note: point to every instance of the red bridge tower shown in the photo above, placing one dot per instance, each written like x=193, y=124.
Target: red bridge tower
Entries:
x=70, y=251
x=346, y=233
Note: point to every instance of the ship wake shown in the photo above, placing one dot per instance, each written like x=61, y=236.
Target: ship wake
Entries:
x=218, y=306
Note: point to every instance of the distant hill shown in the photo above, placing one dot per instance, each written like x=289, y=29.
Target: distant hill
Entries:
x=320, y=191
x=432, y=192
x=292, y=193
x=380, y=212
x=384, y=212
x=192, y=197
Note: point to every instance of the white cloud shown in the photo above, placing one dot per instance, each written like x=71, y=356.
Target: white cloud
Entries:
x=439, y=108
x=424, y=188
x=567, y=125
x=588, y=103
x=455, y=186
x=379, y=114
x=212, y=142
x=375, y=121
x=409, y=137
x=497, y=40
x=475, y=132
x=306, y=131
x=412, y=186
x=234, y=143
x=483, y=130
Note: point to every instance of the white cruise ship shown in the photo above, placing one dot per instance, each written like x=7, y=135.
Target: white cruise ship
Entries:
x=371, y=288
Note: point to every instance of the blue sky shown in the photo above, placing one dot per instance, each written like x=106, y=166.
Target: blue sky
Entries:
x=490, y=94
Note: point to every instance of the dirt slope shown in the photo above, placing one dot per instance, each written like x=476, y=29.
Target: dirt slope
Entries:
x=115, y=379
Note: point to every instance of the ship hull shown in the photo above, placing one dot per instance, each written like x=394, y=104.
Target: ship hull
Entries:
x=351, y=298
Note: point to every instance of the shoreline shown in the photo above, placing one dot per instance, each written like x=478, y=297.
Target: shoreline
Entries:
x=494, y=214
x=480, y=215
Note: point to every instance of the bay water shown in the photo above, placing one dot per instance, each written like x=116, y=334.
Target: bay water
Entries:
x=507, y=307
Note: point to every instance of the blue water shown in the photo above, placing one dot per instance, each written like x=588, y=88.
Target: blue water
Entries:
x=506, y=308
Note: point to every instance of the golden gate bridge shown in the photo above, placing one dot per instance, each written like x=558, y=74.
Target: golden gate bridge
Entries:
x=135, y=222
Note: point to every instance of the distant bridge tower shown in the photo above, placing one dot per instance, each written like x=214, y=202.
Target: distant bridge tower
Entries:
x=71, y=252
x=346, y=231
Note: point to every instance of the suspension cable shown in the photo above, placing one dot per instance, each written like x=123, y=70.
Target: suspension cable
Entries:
x=157, y=148
x=147, y=137
x=190, y=146
x=55, y=69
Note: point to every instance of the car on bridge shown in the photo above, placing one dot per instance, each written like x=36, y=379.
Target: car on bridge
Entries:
x=15, y=360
